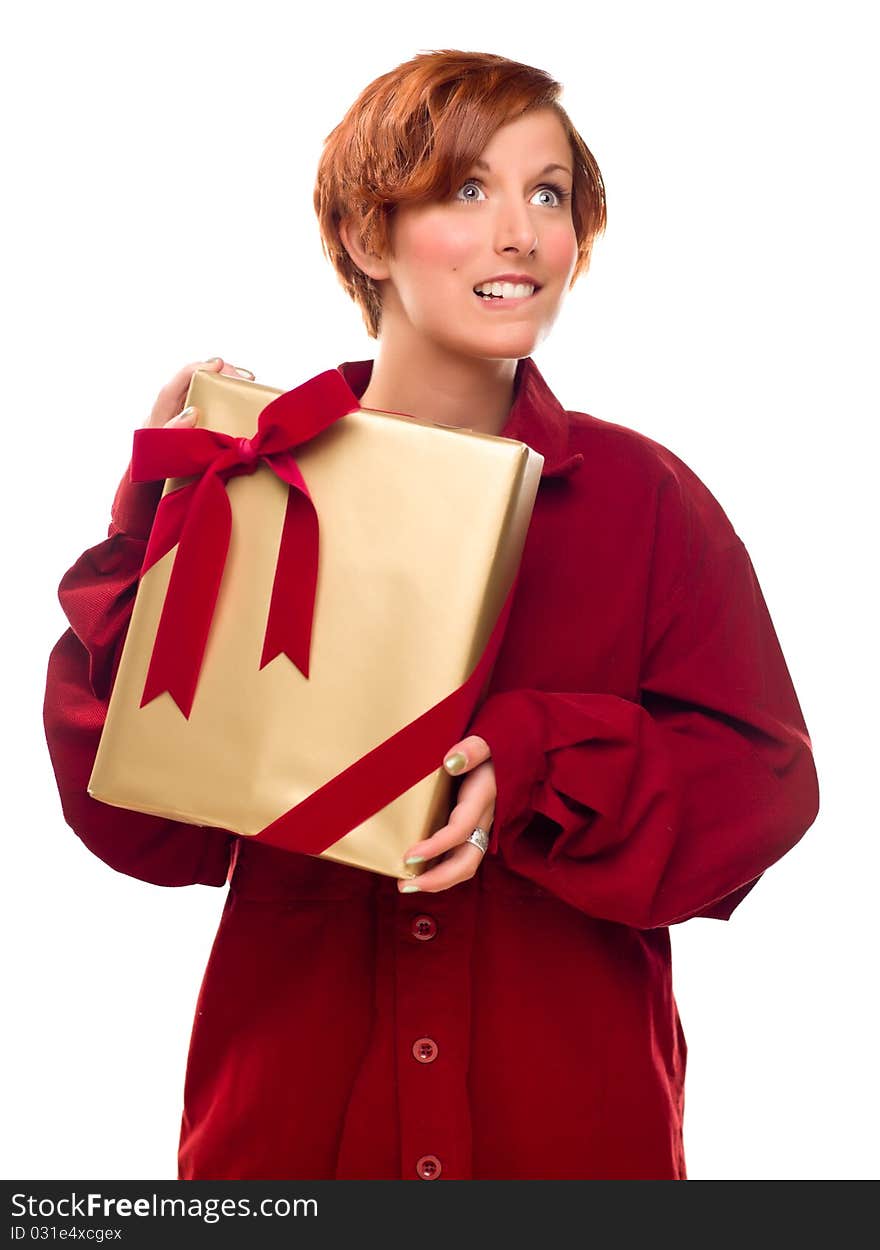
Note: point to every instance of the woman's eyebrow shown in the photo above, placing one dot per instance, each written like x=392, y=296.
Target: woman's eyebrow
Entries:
x=548, y=169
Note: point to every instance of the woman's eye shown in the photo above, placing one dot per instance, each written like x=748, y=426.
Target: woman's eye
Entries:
x=554, y=190
x=559, y=192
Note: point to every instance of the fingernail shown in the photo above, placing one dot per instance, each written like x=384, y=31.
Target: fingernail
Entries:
x=187, y=412
x=414, y=859
x=409, y=889
x=455, y=762
x=212, y=361
x=243, y=373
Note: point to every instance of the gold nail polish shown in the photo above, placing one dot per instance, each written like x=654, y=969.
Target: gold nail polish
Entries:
x=244, y=373
x=455, y=762
x=409, y=889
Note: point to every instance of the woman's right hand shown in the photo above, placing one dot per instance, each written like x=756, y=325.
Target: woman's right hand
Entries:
x=167, y=408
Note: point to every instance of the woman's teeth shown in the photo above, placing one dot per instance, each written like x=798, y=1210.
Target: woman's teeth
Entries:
x=503, y=290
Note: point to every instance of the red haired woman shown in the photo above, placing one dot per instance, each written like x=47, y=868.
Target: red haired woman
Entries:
x=641, y=757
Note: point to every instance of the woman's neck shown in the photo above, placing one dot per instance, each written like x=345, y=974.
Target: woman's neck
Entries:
x=433, y=386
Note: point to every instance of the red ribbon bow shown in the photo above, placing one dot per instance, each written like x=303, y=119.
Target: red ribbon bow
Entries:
x=198, y=519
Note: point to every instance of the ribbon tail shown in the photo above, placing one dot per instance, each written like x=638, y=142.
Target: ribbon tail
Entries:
x=167, y=525
x=292, y=606
x=192, y=592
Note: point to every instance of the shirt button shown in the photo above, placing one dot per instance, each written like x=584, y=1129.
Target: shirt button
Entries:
x=429, y=1167
x=423, y=927
x=425, y=1050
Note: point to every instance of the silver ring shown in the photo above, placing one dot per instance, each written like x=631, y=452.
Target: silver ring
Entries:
x=480, y=838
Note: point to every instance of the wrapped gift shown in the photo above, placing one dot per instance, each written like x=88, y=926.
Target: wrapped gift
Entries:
x=323, y=594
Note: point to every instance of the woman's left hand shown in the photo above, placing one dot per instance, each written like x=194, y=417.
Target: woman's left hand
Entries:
x=475, y=809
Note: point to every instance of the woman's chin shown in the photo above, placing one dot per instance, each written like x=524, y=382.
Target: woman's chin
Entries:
x=508, y=341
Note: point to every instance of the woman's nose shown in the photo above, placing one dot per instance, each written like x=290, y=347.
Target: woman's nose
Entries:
x=515, y=228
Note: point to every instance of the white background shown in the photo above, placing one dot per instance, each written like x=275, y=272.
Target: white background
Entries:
x=160, y=166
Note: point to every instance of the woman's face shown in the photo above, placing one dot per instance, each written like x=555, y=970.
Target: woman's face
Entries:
x=512, y=216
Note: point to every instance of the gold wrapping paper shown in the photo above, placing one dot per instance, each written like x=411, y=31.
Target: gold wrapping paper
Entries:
x=422, y=527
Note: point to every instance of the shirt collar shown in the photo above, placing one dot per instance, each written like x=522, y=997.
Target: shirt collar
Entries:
x=536, y=416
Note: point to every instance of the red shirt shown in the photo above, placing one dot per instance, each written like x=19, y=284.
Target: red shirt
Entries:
x=651, y=760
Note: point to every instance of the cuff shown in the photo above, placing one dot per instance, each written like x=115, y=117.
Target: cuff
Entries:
x=134, y=506
x=512, y=725
x=96, y=595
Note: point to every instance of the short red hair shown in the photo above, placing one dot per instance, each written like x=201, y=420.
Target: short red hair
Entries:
x=412, y=136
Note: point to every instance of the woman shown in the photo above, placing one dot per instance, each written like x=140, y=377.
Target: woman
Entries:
x=640, y=759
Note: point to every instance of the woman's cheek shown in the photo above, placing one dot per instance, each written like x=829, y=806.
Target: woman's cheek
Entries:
x=561, y=248
x=447, y=252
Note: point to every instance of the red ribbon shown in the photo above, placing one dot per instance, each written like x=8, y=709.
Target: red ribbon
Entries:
x=390, y=769
x=197, y=518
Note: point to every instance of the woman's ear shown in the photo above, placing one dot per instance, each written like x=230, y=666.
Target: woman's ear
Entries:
x=368, y=262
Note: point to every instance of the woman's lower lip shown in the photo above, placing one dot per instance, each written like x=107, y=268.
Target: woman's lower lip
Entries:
x=506, y=303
